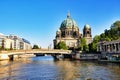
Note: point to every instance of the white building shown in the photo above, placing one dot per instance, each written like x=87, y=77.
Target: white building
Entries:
x=20, y=43
x=14, y=42
x=5, y=42
x=26, y=44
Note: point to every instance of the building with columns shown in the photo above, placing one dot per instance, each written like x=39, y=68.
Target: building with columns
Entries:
x=70, y=34
x=109, y=50
x=109, y=47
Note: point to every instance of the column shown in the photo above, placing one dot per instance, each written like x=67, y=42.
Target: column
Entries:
x=103, y=48
x=110, y=48
x=115, y=48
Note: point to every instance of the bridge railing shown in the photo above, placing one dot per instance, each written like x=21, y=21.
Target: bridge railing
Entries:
x=34, y=50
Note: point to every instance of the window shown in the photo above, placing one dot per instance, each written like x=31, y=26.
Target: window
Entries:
x=63, y=34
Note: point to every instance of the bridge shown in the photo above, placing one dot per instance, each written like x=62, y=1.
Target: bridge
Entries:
x=54, y=52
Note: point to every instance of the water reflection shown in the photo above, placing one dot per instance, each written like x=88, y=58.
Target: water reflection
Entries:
x=45, y=68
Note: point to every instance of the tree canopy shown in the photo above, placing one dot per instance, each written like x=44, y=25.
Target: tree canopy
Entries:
x=61, y=45
x=83, y=45
x=113, y=33
x=35, y=47
x=108, y=35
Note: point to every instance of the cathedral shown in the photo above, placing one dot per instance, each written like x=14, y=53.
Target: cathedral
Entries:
x=70, y=34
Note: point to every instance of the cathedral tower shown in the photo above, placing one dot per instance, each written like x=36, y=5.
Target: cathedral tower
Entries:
x=87, y=34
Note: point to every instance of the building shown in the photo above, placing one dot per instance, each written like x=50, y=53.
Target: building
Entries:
x=87, y=34
x=69, y=33
x=14, y=42
x=109, y=47
x=6, y=43
x=20, y=43
x=26, y=44
x=109, y=50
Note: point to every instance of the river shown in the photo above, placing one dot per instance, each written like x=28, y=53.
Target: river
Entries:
x=46, y=68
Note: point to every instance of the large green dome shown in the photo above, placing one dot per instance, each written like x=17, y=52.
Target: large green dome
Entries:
x=68, y=22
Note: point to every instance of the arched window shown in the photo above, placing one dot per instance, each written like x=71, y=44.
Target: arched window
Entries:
x=88, y=32
x=63, y=34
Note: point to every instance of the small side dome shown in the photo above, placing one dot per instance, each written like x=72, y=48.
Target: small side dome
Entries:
x=58, y=31
x=87, y=26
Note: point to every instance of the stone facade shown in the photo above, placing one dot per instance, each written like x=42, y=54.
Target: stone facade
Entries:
x=69, y=33
x=87, y=34
x=109, y=47
x=109, y=50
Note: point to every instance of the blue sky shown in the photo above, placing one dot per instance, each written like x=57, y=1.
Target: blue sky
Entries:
x=38, y=20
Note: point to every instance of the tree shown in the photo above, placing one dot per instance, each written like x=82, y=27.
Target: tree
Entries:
x=3, y=45
x=61, y=45
x=112, y=34
x=35, y=47
x=83, y=45
x=96, y=39
x=116, y=24
x=107, y=39
x=93, y=45
x=11, y=46
x=86, y=48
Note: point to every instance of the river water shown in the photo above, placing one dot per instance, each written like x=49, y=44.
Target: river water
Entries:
x=46, y=68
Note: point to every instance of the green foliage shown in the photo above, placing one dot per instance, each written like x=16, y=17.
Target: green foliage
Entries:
x=92, y=47
x=96, y=39
x=2, y=47
x=86, y=48
x=61, y=45
x=112, y=34
x=35, y=47
x=83, y=45
x=107, y=39
x=116, y=24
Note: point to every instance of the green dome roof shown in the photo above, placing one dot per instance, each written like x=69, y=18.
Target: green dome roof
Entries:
x=68, y=22
x=87, y=26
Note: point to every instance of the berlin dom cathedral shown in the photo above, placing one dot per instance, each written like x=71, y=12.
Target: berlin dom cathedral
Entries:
x=70, y=34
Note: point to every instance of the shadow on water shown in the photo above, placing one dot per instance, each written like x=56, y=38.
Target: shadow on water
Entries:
x=42, y=58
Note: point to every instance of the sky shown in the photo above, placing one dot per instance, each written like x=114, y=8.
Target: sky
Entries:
x=38, y=20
